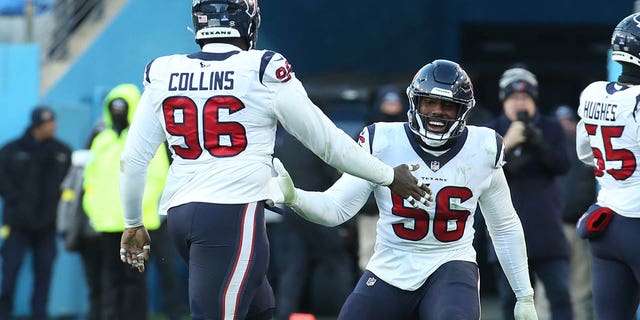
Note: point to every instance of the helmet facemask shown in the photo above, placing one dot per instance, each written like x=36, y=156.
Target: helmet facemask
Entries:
x=419, y=123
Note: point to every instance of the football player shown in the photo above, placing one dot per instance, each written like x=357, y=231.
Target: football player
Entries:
x=424, y=265
x=218, y=110
x=608, y=138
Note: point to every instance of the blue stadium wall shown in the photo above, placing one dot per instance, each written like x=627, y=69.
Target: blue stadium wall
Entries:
x=320, y=38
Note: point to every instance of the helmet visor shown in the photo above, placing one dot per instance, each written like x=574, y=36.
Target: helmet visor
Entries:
x=216, y=6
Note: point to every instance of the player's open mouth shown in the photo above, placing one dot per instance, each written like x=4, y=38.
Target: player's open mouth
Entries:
x=436, y=126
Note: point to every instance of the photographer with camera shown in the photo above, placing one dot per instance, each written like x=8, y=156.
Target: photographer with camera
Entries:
x=535, y=156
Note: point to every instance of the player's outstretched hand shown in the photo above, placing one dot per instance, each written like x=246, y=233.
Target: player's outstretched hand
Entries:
x=407, y=186
x=525, y=310
x=135, y=247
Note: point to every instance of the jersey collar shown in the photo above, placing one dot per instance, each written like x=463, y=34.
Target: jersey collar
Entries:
x=219, y=47
x=215, y=52
x=431, y=159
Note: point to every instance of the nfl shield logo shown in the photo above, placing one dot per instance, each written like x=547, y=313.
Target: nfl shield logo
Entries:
x=434, y=165
x=371, y=281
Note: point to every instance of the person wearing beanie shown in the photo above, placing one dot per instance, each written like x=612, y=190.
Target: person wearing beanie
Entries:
x=31, y=170
x=535, y=153
x=607, y=139
x=518, y=79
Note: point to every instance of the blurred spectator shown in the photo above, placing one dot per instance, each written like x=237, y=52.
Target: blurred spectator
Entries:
x=121, y=290
x=31, y=170
x=578, y=189
x=72, y=223
x=536, y=155
x=74, y=226
x=388, y=106
x=318, y=275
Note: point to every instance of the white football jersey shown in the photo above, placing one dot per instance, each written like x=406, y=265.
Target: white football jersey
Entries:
x=444, y=230
x=609, y=127
x=218, y=110
x=412, y=243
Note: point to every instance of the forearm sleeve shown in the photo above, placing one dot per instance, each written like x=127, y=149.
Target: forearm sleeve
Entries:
x=305, y=121
x=336, y=205
x=506, y=232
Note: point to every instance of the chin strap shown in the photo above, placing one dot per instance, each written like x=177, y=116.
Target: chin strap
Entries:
x=435, y=145
x=630, y=74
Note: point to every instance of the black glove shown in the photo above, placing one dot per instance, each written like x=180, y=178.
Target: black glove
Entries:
x=534, y=137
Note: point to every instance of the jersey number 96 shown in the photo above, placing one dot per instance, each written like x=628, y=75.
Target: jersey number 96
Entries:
x=181, y=117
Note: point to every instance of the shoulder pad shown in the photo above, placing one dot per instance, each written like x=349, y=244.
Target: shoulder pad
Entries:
x=275, y=68
x=365, y=139
x=499, y=161
x=491, y=143
x=147, y=78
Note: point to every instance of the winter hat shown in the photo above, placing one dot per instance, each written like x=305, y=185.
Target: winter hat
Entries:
x=40, y=115
x=518, y=79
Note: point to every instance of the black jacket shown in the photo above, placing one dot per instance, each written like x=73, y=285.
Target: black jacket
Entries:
x=534, y=190
x=30, y=175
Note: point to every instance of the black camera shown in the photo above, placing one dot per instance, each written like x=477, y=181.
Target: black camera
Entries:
x=533, y=134
x=523, y=116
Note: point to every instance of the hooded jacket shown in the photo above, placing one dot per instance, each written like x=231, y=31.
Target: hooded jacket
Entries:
x=101, y=200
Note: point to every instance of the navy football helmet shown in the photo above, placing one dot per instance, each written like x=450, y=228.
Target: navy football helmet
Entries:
x=625, y=41
x=443, y=80
x=226, y=19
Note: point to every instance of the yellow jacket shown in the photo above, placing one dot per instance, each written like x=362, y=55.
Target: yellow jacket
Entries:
x=101, y=199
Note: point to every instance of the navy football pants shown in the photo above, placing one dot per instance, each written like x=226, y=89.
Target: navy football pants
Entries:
x=615, y=257
x=449, y=293
x=226, y=248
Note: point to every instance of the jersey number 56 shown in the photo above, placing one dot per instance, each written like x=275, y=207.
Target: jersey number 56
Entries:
x=444, y=216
